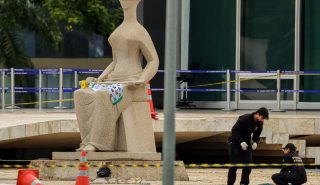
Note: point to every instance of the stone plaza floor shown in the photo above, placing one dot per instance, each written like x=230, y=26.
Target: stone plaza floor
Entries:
x=196, y=176
x=13, y=118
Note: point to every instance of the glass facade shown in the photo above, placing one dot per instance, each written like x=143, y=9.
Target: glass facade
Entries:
x=310, y=50
x=212, y=44
x=267, y=38
x=75, y=45
x=267, y=44
x=265, y=84
x=267, y=35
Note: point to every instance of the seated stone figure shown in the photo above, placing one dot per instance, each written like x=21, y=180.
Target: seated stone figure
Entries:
x=97, y=114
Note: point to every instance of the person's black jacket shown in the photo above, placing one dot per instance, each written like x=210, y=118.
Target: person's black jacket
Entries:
x=244, y=128
x=293, y=158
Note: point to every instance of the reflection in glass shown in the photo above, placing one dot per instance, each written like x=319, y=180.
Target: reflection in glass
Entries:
x=310, y=49
x=267, y=43
x=265, y=85
x=75, y=45
x=212, y=43
x=267, y=35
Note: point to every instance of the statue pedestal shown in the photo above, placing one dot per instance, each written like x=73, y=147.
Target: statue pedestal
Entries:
x=108, y=156
x=123, y=166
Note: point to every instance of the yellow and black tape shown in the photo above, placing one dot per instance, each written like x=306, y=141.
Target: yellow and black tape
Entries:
x=228, y=165
x=158, y=165
x=203, y=85
x=37, y=102
x=200, y=85
x=233, y=81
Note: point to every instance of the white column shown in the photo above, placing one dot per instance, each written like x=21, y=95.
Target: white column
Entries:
x=297, y=50
x=238, y=48
x=12, y=92
x=185, y=24
x=60, y=90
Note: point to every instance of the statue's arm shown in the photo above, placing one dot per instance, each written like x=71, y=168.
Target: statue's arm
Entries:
x=105, y=73
x=108, y=70
x=150, y=54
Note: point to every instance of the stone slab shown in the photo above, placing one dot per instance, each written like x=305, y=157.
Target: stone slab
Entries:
x=317, y=126
x=297, y=126
x=301, y=146
x=313, y=152
x=19, y=127
x=280, y=138
x=121, y=170
x=101, y=156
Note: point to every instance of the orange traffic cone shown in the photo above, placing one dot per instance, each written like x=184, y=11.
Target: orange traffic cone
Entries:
x=154, y=115
x=83, y=176
x=28, y=177
x=83, y=157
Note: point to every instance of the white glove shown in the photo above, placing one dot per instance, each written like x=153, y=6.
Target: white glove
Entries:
x=254, y=146
x=244, y=145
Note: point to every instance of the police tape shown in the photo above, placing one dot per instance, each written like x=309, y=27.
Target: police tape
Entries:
x=68, y=90
x=37, y=102
x=158, y=165
x=187, y=90
x=234, y=81
x=56, y=90
x=94, y=71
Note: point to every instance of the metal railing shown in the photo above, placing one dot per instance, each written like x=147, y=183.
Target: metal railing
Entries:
x=277, y=75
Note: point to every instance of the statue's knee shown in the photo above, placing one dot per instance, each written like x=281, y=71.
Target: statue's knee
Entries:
x=82, y=96
x=100, y=94
x=77, y=93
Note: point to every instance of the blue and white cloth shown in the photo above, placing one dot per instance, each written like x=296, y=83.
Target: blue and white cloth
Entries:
x=115, y=90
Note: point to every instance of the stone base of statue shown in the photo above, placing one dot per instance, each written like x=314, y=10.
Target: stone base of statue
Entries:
x=125, y=167
x=107, y=156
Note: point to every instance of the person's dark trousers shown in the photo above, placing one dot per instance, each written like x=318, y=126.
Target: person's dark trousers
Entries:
x=284, y=178
x=237, y=155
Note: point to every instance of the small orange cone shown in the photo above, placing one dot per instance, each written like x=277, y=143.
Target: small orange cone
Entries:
x=83, y=156
x=154, y=115
x=83, y=176
x=28, y=177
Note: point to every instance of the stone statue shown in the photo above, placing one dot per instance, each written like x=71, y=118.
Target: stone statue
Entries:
x=97, y=113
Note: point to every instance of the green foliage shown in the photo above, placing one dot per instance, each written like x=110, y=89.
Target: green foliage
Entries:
x=47, y=19
x=15, y=17
x=91, y=16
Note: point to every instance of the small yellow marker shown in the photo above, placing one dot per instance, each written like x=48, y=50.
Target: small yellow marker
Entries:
x=83, y=84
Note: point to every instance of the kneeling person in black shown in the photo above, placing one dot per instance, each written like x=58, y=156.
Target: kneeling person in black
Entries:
x=296, y=175
x=248, y=127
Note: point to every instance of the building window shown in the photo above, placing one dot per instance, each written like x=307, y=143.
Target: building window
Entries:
x=74, y=45
x=212, y=43
x=267, y=43
x=310, y=50
x=267, y=34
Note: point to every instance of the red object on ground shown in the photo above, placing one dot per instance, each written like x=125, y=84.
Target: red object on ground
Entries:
x=154, y=115
x=28, y=177
x=83, y=176
x=83, y=156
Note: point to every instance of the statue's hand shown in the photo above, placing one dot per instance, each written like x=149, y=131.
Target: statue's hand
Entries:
x=91, y=79
x=136, y=83
x=87, y=82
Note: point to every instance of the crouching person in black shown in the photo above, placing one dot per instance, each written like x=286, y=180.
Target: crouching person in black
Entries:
x=295, y=174
x=247, y=128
